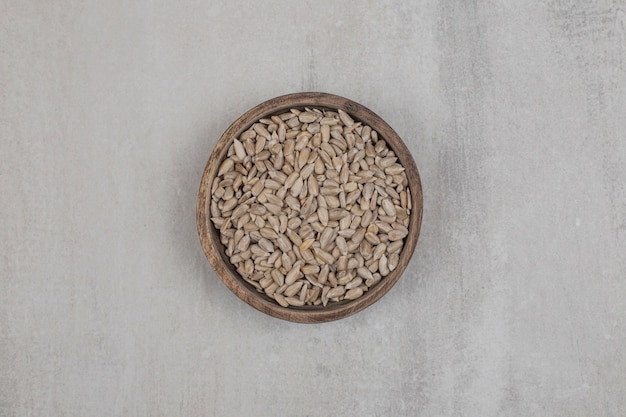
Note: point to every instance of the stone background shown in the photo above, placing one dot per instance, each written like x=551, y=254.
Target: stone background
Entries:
x=514, y=303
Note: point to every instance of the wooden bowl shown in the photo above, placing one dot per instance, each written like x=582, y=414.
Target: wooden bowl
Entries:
x=209, y=235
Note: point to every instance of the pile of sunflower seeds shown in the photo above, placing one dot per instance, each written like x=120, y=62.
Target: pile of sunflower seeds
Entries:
x=312, y=207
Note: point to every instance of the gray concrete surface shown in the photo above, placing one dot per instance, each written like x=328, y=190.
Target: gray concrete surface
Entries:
x=514, y=302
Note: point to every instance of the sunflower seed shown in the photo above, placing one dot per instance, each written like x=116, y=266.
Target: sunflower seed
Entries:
x=364, y=273
x=395, y=247
x=354, y=283
x=293, y=289
x=293, y=275
x=394, y=258
x=396, y=234
x=353, y=294
x=296, y=302
x=345, y=118
x=383, y=266
x=336, y=292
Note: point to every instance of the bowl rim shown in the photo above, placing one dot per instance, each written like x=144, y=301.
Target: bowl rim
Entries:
x=209, y=236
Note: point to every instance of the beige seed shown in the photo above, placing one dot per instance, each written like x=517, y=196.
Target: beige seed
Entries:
x=303, y=293
x=323, y=275
x=296, y=188
x=324, y=257
x=289, y=147
x=293, y=289
x=366, y=249
x=382, y=266
x=306, y=171
x=344, y=223
x=336, y=292
x=354, y=283
x=294, y=274
x=273, y=208
x=261, y=130
x=397, y=234
x=343, y=263
x=266, y=282
x=229, y=205
x=268, y=233
x=292, y=202
x=319, y=166
x=394, y=258
x=379, y=251
x=296, y=302
x=394, y=169
x=278, y=277
x=372, y=228
x=344, y=277
x=373, y=281
x=303, y=157
x=307, y=255
x=325, y=132
x=342, y=245
x=347, y=233
x=226, y=166
x=388, y=207
x=358, y=236
x=257, y=188
x=326, y=237
x=244, y=243
x=372, y=238
x=248, y=134
x=274, y=199
x=332, y=279
x=353, y=294
x=306, y=244
x=239, y=211
x=271, y=289
x=324, y=296
x=345, y=118
x=272, y=185
x=249, y=146
x=302, y=140
x=258, y=251
x=322, y=214
x=364, y=273
x=353, y=263
x=310, y=269
x=281, y=299
x=217, y=221
x=368, y=217
x=313, y=185
x=307, y=117
x=219, y=192
x=337, y=214
x=313, y=294
x=239, y=150
x=395, y=246
x=332, y=201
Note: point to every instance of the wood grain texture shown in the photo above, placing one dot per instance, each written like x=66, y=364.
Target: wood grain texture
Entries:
x=209, y=235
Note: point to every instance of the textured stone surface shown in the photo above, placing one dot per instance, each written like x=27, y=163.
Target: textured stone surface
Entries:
x=514, y=302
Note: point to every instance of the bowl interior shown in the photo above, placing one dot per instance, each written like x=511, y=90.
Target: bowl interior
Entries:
x=215, y=251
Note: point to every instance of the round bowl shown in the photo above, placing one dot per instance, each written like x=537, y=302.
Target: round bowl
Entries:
x=209, y=235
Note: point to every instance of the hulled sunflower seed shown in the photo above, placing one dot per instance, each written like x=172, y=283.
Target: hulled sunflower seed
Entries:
x=353, y=294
